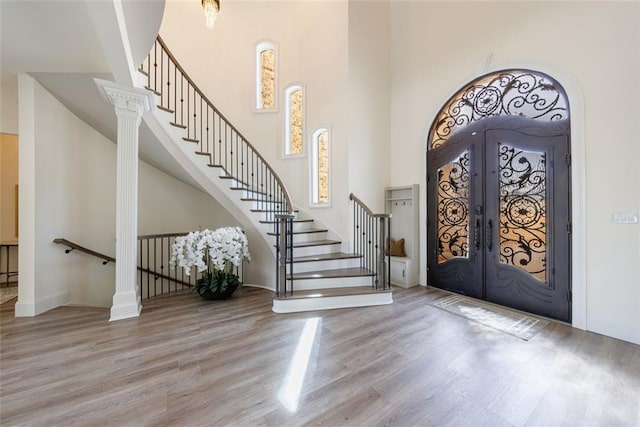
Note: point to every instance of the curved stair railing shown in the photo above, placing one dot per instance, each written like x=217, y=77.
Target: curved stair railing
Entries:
x=157, y=277
x=214, y=135
x=370, y=239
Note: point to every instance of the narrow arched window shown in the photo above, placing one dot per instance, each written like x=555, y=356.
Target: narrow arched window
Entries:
x=320, y=167
x=266, y=83
x=294, y=120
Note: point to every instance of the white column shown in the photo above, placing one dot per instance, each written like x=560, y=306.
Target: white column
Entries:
x=130, y=104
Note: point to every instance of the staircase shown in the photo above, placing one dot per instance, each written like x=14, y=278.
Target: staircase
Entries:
x=313, y=268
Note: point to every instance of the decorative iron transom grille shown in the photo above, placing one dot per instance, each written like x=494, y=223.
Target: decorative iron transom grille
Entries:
x=506, y=93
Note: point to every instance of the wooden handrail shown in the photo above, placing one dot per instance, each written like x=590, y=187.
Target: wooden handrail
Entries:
x=106, y=259
x=75, y=246
x=159, y=236
x=285, y=191
x=366, y=208
x=164, y=276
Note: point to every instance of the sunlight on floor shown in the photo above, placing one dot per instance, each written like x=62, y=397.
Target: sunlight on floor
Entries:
x=289, y=393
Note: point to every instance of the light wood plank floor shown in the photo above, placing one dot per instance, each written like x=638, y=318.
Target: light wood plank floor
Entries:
x=188, y=362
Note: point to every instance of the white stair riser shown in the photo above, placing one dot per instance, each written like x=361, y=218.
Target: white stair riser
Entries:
x=326, y=303
x=248, y=194
x=307, y=237
x=300, y=267
x=316, y=250
x=297, y=226
x=264, y=206
x=326, y=283
x=300, y=226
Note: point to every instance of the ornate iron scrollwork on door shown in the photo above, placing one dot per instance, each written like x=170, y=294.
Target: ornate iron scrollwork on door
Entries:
x=506, y=93
x=523, y=222
x=453, y=209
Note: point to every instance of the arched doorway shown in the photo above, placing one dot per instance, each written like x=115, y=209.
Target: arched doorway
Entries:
x=498, y=193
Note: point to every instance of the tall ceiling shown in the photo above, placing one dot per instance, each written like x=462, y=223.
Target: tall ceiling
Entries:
x=49, y=36
x=60, y=36
x=64, y=44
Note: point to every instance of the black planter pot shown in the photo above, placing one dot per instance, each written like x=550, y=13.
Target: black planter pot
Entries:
x=209, y=286
x=210, y=295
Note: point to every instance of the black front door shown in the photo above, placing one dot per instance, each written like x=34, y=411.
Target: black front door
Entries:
x=498, y=216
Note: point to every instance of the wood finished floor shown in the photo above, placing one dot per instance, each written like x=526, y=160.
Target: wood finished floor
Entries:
x=188, y=362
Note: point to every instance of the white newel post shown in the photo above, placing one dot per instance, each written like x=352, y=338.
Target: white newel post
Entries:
x=130, y=104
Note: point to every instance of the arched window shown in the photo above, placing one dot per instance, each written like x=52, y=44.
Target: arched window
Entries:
x=294, y=120
x=320, y=167
x=266, y=82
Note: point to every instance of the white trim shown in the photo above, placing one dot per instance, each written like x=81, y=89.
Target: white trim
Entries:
x=125, y=305
x=295, y=305
x=288, y=90
x=260, y=47
x=614, y=328
x=26, y=196
x=33, y=307
x=254, y=285
x=313, y=166
x=578, y=178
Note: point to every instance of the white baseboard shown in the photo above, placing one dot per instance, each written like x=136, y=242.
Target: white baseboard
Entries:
x=30, y=308
x=252, y=285
x=125, y=305
x=613, y=328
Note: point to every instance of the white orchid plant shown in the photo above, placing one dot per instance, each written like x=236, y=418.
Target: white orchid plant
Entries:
x=213, y=253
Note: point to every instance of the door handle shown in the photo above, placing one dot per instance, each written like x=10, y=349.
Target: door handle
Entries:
x=477, y=235
x=489, y=235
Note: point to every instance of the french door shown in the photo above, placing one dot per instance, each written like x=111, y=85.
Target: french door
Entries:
x=498, y=218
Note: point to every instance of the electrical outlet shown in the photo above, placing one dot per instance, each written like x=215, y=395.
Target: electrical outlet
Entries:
x=624, y=217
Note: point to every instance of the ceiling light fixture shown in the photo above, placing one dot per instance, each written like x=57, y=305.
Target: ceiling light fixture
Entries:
x=211, y=9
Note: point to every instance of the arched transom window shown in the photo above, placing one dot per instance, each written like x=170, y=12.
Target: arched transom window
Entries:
x=525, y=93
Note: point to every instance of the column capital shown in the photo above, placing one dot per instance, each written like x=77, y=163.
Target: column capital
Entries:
x=126, y=99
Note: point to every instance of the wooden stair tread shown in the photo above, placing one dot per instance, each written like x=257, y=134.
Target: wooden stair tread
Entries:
x=178, y=125
x=252, y=199
x=191, y=140
x=326, y=257
x=295, y=220
x=248, y=189
x=168, y=110
x=333, y=274
x=316, y=243
x=309, y=231
x=274, y=211
x=334, y=292
x=152, y=90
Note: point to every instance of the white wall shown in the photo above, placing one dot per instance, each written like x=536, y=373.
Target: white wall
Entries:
x=369, y=96
x=312, y=47
x=73, y=182
x=8, y=104
x=437, y=47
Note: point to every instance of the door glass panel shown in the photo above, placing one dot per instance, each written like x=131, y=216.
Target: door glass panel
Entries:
x=523, y=222
x=453, y=209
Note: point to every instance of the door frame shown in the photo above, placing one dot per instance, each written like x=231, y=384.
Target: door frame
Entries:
x=578, y=177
